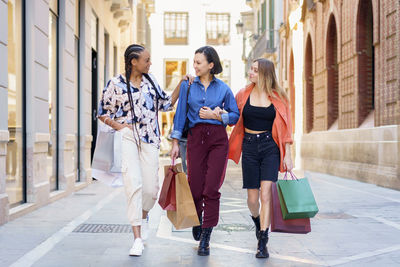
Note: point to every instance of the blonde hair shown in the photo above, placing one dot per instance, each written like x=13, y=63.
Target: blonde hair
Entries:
x=267, y=79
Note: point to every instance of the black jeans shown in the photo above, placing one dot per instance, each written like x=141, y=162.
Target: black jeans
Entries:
x=260, y=159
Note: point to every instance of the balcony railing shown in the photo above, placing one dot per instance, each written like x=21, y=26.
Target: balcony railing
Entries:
x=265, y=44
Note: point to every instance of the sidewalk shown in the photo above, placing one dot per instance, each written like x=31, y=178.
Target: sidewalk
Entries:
x=358, y=225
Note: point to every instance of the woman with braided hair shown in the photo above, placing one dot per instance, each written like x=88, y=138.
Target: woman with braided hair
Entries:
x=130, y=104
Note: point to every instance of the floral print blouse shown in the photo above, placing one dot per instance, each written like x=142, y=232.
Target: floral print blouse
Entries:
x=115, y=104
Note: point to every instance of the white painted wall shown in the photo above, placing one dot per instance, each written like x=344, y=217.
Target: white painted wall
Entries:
x=37, y=91
x=197, y=10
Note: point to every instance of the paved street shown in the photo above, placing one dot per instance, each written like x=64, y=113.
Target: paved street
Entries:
x=358, y=225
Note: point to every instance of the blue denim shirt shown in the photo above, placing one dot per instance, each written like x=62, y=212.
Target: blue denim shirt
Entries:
x=217, y=94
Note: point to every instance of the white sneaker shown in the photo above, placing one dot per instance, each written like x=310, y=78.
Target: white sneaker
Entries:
x=144, y=229
x=137, y=248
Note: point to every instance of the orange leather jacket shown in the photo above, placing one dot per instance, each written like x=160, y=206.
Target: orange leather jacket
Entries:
x=281, y=128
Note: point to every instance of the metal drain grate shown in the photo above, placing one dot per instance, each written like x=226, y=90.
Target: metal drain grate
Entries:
x=103, y=228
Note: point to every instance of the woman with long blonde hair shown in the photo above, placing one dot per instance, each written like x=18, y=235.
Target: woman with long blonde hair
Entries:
x=263, y=136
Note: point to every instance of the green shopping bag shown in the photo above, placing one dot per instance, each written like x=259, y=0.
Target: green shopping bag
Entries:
x=296, y=198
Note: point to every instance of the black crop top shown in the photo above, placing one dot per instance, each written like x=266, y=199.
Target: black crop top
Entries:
x=258, y=118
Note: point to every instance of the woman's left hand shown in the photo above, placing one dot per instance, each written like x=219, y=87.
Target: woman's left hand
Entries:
x=189, y=78
x=207, y=113
x=287, y=162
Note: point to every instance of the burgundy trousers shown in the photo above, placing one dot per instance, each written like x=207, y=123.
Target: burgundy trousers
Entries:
x=207, y=156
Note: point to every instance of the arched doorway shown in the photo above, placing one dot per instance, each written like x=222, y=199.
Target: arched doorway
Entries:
x=309, y=80
x=365, y=54
x=332, y=72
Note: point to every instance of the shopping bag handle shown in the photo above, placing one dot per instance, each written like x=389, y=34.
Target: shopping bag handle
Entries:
x=292, y=175
x=171, y=167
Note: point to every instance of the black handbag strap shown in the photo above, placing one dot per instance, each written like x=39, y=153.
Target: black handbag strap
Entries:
x=187, y=110
x=187, y=100
x=157, y=97
x=133, y=113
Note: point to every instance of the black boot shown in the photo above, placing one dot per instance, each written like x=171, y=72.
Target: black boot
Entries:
x=204, y=245
x=262, y=251
x=196, y=230
x=257, y=224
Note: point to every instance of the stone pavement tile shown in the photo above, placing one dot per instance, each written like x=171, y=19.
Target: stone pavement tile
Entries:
x=25, y=233
x=352, y=220
x=387, y=260
x=356, y=186
x=9, y=256
x=361, y=203
x=113, y=212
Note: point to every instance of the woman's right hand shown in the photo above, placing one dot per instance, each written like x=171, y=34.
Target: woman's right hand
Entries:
x=175, y=149
x=189, y=78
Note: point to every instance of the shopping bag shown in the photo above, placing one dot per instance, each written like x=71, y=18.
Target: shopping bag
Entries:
x=167, y=199
x=278, y=224
x=185, y=215
x=296, y=198
x=107, y=156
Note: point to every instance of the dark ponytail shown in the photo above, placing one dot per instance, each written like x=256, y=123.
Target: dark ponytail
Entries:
x=132, y=52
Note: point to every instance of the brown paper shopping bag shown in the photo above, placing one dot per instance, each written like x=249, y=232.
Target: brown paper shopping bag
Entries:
x=185, y=215
x=167, y=199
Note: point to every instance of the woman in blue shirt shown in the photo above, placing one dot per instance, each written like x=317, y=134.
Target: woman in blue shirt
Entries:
x=207, y=142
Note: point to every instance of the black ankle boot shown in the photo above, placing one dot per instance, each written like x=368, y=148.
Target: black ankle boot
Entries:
x=257, y=224
x=262, y=251
x=196, y=230
x=204, y=245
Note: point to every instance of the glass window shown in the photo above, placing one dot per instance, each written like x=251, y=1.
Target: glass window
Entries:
x=115, y=61
x=174, y=71
x=271, y=23
x=176, y=28
x=263, y=16
x=75, y=154
x=106, y=58
x=52, y=146
x=77, y=18
x=225, y=75
x=217, y=28
x=93, y=31
x=14, y=162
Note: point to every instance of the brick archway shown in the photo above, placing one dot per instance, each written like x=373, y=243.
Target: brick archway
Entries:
x=332, y=71
x=309, y=81
x=365, y=56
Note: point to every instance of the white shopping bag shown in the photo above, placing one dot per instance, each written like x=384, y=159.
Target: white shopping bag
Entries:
x=107, y=157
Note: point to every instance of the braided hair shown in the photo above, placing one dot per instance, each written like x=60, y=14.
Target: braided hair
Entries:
x=132, y=52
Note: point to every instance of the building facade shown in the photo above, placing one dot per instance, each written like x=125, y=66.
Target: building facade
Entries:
x=60, y=54
x=261, y=31
x=183, y=28
x=262, y=27
x=341, y=65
